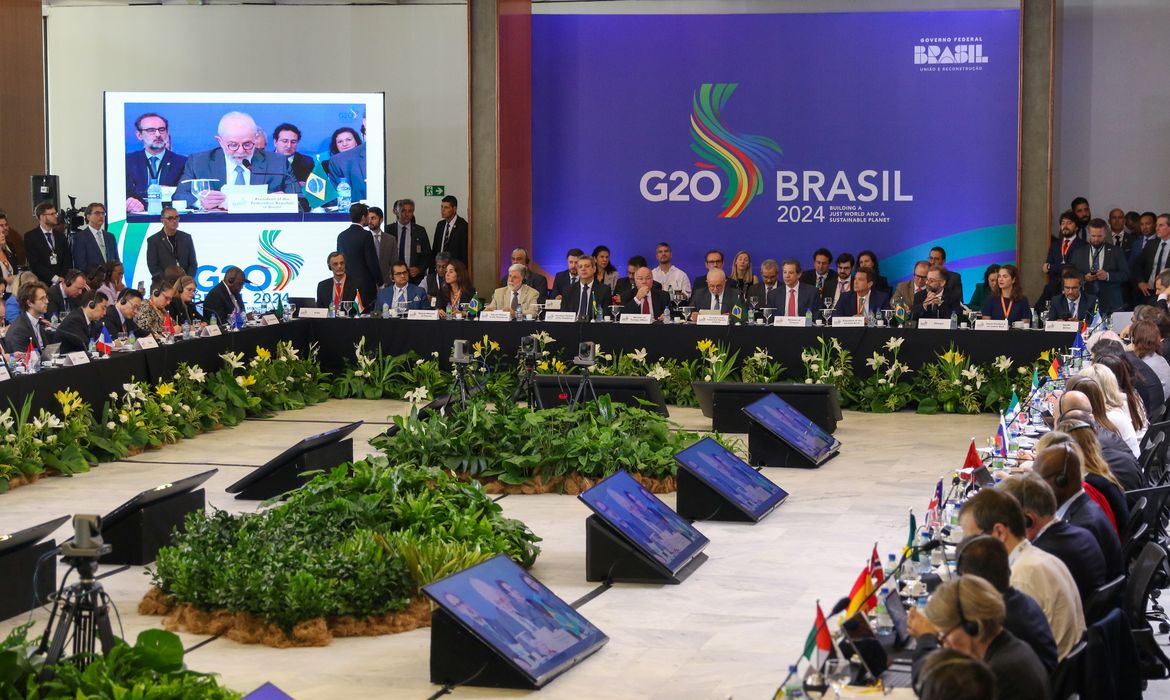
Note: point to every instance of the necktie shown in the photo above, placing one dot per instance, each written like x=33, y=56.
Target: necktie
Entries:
x=715, y=305
x=36, y=326
x=153, y=169
x=1095, y=262
x=791, y=302
x=49, y=240
x=768, y=289
x=404, y=245
x=646, y=304
x=861, y=307
x=1072, y=309
x=239, y=175
x=446, y=233
x=583, y=307
x=101, y=242
x=1064, y=247
x=399, y=294
x=516, y=301
x=1159, y=260
x=378, y=243
x=820, y=282
x=336, y=293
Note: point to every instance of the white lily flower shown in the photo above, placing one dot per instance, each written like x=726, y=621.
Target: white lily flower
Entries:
x=1003, y=363
x=419, y=395
x=876, y=361
x=638, y=355
x=233, y=359
x=895, y=343
x=196, y=374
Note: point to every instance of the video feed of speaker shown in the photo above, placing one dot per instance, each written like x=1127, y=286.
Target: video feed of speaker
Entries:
x=793, y=427
x=733, y=478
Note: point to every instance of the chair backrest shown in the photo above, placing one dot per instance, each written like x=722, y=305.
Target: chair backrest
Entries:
x=1066, y=677
x=1134, y=544
x=1136, y=514
x=1106, y=597
x=1151, y=452
x=1153, y=431
x=1141, y=580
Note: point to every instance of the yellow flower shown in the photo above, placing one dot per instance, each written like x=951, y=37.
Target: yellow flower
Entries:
x=705, y=345
x=263, y=353
x=1046, y=355
x=495, y=345
x=542, y=366
x=249, y=380
x=70, y=401
x=559, y=366
x=476, y=347
x=165, y=389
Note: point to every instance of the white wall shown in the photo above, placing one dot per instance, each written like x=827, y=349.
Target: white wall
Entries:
x=416, y=54
x=1112, y=135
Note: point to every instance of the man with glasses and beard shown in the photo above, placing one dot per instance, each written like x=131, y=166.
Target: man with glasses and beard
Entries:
x=154, y=163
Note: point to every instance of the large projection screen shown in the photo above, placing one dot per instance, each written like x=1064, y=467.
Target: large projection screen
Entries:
x=279, y=249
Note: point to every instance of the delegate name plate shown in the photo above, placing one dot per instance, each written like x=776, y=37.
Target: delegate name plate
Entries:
x=496, y=316
x=790, y=322
x=849, y=322
x=637, y=319
x=712, y=320
x=987, y=324
x=422, y=315
x=313, y=313
x=560, y=316
x=937, y=324
x=1062, y=326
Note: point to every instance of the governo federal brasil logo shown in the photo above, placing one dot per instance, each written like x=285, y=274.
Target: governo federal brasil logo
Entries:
x=740, y=158
x=285, y=266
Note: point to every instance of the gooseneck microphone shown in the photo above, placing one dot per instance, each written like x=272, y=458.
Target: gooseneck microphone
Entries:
x=837, y=610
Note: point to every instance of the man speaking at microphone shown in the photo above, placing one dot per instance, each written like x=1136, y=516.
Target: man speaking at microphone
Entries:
x=236, y=162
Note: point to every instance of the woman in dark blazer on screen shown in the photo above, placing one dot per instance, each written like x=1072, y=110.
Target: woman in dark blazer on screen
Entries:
x=1008, y=301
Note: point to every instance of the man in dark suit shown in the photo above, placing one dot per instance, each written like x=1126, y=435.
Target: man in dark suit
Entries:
x=714, y=261
x=567, y=277
x=451, y=233
x=645, y=298
x=933, y=301
x=402, y=291
x=625, y=286
x=236, y=161
x=385, y=245
x=1060, y=253
x=1103, y=267
x=1072, y=304
x=351, y=166
x=793, y=298
x=361, y=259
x=436, y=277
x=1154, y=259
x=170, y=247
x=863, y=299
x=414, y=248
x=84, y=324
x=938, y=256
x=820, y=277
x=531, y=278
x=715, y=296
x=1062, y=471
x=155, y=163
x=48, y=252
x=224, y=298
x=285, y=139
x=1073, y=545
x=337, y=288
x=63, y=296
x=33, y=300
x=93, y=245
x=120, y=315
x=588, y=296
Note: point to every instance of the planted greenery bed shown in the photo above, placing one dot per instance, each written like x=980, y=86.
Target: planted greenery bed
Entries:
x=550, y=450
x=151, y=669
x=344, y=555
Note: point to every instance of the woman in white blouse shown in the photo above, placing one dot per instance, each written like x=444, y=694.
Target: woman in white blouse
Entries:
x=1116, y=406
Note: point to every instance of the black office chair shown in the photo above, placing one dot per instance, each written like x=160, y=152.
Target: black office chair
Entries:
x=1134, y=544
x=1105, y=598
x=1136, y=516
x=1143, y=575
x=1066, y=681
x=1151, y=460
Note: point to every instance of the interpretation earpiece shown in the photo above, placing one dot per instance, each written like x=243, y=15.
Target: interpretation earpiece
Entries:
x=1062, y=480
x=1028, y=522
x=969, y=626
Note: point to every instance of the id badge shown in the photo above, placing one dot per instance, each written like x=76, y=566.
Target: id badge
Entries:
x=53, y=259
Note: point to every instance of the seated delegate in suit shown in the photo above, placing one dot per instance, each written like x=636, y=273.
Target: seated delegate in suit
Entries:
x=337, y=288
x=982, y=289
x=224, y=298
x=904, y=291
x=933, y=302
x=401, y=292
x=515, y=296
x=153, y=163
x=63, y=295
x=170, y=247
x=793, y=298
x=567, y=277
x=120, y=315
x=1072, y=304
x=236, y=161
x=819, y=276
x=1008, y=300
x=938, y=256
x=348, y=161
x=588, y=297
x=531, y=278
x=434, y=280
x=624, y=288
x=715, y=296
x=862, y=299
x=285, y=139
x=30, y=326
x=183, y=302
x=646, y=297
x=93, y=245
x=456, y=289
x=83, y=325
x=867, y=258
x=1103, y=268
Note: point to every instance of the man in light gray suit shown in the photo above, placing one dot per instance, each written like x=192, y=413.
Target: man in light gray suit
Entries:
x=385, y=244
x=236, y=161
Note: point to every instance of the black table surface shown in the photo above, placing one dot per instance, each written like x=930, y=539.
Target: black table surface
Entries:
x=337, y=339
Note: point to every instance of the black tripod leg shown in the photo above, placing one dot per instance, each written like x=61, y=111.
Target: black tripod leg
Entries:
x=102, y=617
x=65, y=623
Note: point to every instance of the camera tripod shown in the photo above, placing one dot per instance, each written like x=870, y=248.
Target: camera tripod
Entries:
x=526, y=389
x=84, y=615
x=585, y=384
x=464, y=383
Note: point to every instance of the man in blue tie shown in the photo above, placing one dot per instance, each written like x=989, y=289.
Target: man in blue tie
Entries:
x=154, y=163
x=400, y=294
x=235, y=162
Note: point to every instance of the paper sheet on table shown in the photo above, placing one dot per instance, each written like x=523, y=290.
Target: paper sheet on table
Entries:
x=244, y=189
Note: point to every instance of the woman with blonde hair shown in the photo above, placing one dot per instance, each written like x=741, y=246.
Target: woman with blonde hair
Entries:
x=741, y=276
x=1116, y=406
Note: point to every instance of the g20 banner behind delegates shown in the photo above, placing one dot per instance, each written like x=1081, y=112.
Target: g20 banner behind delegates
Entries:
x=778, y=134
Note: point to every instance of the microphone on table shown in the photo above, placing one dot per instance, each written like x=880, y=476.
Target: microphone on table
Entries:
x=837, y=610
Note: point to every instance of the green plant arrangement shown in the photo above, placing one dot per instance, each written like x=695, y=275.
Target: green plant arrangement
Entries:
x=379, y=376
x=760, y=368
x=883, y=391
x=343, y=555
x=830, y=363
x=950, y=384
x=719, y=361
x=151, y=669
x=518, y=450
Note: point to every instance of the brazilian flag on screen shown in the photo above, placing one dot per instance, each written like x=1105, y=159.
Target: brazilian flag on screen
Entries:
x=318, y=187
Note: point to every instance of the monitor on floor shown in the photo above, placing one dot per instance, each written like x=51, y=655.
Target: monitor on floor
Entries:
x=733, y=478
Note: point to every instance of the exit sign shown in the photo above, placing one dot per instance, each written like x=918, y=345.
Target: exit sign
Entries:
x=434, y=190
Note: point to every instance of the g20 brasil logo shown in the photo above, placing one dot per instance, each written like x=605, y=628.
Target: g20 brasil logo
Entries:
x=738, y=156
x=286, y=266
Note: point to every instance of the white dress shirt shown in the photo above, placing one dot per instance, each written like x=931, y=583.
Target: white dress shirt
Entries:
x=672, y=278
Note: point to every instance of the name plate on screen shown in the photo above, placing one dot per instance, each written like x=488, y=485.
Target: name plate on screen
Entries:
x=313, y=313
x=937, y=324
x=712, y=320
x=637, y=319
x=271, y=320
x=849, y=322
x=4, y=375
x=250, y=203
x=552, y=305
x=147, y=342
x=1062, y=326
x=211, y=330
x=422, y=315
x=987, y=324
x=560, y=316
x=73, y=359
x=791, y=322
x=496, y=316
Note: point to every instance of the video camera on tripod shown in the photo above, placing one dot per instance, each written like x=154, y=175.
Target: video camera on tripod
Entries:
x=586, y=354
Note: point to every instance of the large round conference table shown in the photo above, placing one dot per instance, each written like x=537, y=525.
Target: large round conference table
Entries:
x=337, y=338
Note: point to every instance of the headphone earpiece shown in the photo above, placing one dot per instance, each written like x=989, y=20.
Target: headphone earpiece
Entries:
x=1062, y=479
x=969, y=626
x=1028, y=522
